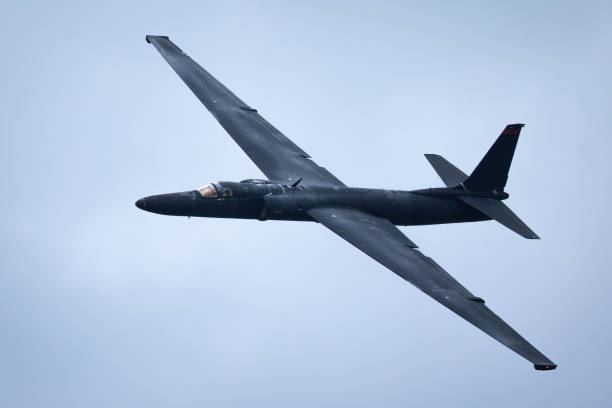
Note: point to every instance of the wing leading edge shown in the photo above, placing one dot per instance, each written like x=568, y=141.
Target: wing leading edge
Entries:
x=381, y=240
x=274, y=153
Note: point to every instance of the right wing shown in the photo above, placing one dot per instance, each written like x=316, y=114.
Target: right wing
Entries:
x=381, y=240
x=274, y=153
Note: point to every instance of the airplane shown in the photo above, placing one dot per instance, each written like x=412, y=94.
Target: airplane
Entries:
x=297, y=189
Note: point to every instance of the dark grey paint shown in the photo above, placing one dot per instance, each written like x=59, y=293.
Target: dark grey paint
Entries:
x=303, y=191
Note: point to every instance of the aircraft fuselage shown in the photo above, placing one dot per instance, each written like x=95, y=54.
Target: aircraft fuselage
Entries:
x=275, y=201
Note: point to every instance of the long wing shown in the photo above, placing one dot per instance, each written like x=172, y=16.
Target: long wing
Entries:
x=278, y=157
x=381, y=240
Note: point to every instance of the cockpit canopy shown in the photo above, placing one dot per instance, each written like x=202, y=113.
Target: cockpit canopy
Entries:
x=208, y=191
x=246, y=188
x=217, y=190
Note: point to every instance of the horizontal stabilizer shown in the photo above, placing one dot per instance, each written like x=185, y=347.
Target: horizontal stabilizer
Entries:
x=450, y=175
x=500, y=213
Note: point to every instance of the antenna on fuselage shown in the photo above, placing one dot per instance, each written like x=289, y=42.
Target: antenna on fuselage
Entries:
x=297, y=182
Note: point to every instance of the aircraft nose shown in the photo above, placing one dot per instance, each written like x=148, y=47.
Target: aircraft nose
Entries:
x=142, y=203
x=168, y=204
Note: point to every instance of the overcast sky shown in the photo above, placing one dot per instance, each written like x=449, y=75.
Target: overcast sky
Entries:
x=102, y=304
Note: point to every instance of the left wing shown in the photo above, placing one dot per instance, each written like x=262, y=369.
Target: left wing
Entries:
x=274, y=153
x=381, y=240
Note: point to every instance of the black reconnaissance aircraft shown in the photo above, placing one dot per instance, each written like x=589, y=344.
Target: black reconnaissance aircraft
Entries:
x=300, y=190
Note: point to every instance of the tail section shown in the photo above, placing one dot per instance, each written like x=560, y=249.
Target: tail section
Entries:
x=483, y=189
x=499, y=212
x=491, y=173
x=450, y=175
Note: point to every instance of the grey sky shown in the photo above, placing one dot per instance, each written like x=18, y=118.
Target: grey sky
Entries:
x=105, y=305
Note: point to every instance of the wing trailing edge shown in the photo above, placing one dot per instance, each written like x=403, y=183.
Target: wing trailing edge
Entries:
x=277, y=156
x=381, y=240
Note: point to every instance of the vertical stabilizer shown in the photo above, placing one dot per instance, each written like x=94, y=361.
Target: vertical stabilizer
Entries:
x=491, y=173
x=481, y=190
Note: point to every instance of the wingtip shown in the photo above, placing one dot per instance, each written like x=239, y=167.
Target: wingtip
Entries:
x=149, y=37
x=545, y=367
x=430, y=156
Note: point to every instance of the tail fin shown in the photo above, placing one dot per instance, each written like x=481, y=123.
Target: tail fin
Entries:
x=491, y=173
x=490, y=176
